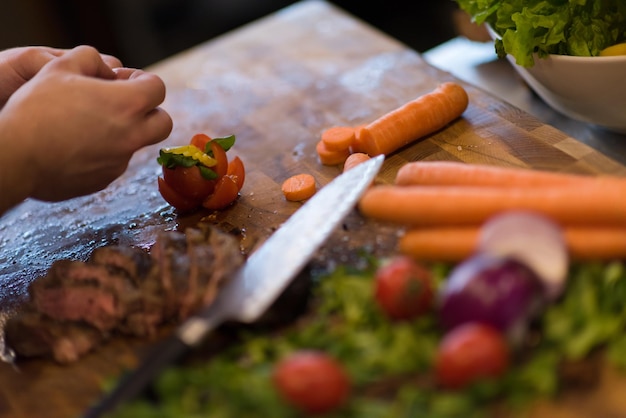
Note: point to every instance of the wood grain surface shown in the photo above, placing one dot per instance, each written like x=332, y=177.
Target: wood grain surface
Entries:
x=275, y=84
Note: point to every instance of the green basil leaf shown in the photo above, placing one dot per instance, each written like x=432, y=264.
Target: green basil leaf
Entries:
x=171, y=160
x=207, y=173
x=226, y=142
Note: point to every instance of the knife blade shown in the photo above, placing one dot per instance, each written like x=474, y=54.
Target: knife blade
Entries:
x=263, y=277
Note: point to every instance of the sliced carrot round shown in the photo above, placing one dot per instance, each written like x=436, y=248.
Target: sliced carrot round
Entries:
x=355, y=159
x=299, y=187
x=338, y=138
x=330, y=157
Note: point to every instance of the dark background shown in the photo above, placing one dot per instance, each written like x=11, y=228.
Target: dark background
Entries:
x=141, y=32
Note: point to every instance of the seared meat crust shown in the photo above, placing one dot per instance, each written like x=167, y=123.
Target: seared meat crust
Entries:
x=78, y=305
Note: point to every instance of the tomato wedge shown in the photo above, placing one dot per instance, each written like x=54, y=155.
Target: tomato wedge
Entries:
x=222, y=159
x=226, y=191
x=180, y=203
x=237, y=171
x=200, y=141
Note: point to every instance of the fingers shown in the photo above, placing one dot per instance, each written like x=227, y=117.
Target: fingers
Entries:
x=158, y=126
x=145, y=89
x=84, y=60
x=111, y=61
x=151, y=89
x=123, y=73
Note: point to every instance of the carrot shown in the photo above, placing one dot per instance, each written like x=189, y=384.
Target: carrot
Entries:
x=448, y=173
x=330, y=157
x=299, y=187
x=451, y=205
x=415, y=119
x=355, y=159
x=338, y=138
x=454, y=244
x=447, y=244
x=357, y=143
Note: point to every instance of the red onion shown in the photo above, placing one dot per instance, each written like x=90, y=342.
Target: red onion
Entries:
x=534, y=240
x=499, y=291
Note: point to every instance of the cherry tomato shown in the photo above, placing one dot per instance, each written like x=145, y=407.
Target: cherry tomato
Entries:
x=222, y=159
x=226, y=191
x=200, y=141
x=181, y=203
x=312, y=381
x=188, y=182
x=403, y=288
x=237, y=171
x=471, y=352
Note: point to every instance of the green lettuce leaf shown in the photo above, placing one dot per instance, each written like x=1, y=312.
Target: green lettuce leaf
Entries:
x=531, y=29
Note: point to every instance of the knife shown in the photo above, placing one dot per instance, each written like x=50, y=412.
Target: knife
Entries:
x=263, y=277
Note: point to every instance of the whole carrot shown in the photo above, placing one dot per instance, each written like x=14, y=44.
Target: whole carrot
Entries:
x=454, y=244
x=463, y=205
x=448, y=173
x=415, y=119
x=448, y=244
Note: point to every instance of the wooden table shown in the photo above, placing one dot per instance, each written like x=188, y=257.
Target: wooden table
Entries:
x=276, y=84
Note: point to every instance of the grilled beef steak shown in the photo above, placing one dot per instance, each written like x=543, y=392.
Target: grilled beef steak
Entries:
x=77, y=305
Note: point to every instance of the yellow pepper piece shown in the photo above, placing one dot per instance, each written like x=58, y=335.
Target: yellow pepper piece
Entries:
x=617, y=49
x=195, y=153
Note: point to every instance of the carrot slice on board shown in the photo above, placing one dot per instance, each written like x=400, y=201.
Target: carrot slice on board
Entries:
x=338, y=138
x=299, y=187
x=355, y=159
x=330, y=157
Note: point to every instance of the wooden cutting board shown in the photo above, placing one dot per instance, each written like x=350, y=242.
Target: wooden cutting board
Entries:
x=275, y=84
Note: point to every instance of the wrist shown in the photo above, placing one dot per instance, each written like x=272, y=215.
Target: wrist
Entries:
x=16, y=171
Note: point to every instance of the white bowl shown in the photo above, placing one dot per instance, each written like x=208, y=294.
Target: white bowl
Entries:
x=588, y=89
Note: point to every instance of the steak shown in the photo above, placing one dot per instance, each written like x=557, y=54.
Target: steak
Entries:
x=33, y=334
x=77, y=291
x=77, y=305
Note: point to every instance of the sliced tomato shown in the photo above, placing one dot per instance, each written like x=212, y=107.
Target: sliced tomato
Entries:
x=181, y=203
x=188, y=182
x=237, y=171
x=200, y=141
x=226, y=191
x=222, y=159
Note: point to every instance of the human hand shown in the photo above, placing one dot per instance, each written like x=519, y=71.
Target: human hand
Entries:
x=72, y=129
x=18, y=65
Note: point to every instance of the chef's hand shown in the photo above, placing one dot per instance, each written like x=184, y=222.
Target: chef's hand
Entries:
x=73, y=127
x=18, y=65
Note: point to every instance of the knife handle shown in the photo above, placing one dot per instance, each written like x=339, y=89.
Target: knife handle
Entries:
x=136, y=381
